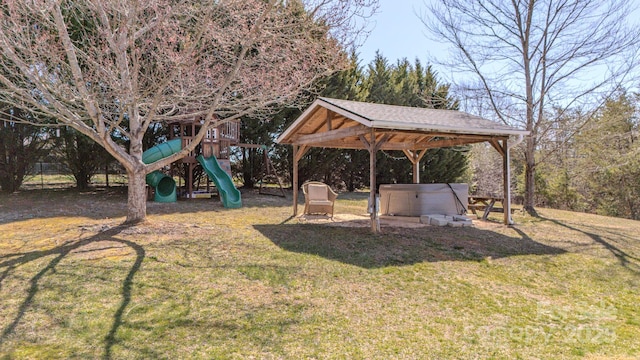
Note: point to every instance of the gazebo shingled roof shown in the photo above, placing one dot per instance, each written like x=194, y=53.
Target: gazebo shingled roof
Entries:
x=335, y=123
x=339, y=123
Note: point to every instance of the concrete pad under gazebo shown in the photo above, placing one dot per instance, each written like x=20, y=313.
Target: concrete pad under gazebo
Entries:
x=334, y=123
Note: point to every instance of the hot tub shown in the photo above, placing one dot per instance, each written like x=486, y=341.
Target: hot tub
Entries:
x=423, y=199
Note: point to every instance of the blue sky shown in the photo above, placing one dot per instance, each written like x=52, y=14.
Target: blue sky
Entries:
x=399, y=33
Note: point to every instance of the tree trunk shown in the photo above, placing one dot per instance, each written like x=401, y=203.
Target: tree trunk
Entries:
x=83, y=178
x=137, y=196
x=12, y=175
x=106, y=173
x=529, y=179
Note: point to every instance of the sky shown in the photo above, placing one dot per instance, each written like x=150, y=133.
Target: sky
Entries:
x=398, y=32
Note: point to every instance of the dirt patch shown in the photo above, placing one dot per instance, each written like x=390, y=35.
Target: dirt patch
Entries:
x=357, y=221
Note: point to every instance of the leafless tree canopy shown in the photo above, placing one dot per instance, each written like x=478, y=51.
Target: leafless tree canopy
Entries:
x=110, y=67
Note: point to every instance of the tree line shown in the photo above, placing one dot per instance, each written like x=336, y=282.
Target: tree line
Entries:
x=113, y=74
x=113, y=69
x=590, y=166
x=531, y=63
x=400, y=83
x=594, y=166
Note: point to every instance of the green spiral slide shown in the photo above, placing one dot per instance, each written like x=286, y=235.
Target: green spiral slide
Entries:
x=165, y=185
x=229, y=195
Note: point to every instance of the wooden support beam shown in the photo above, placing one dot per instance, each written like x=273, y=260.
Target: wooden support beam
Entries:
x=449, y=142
x=302, y=149
x=336, y=120
x=347, y=138
x=391, y=137
x=421, y=142
x=332, y=135
x=502, y=147
x=351, y=143
x=319, y=125
x=415, y=156
x=422, y=154
x=381, y=141
x=363, y=143
x=416, y=172
x=367, y=144
x=251, y=146
x=424, y=138
x=440, y=134
x=298, y=153
x=410, y=155
x=496, y=145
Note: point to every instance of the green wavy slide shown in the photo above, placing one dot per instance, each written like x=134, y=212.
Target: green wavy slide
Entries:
x=229, y=195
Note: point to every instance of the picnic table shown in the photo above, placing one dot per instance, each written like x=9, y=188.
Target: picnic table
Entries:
x=486, y=203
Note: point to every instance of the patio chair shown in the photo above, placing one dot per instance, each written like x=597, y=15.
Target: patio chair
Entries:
x=319, y=198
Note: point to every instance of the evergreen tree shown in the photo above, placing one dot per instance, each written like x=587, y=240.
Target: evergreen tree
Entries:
x=259, y=131
x=608, y=152
x=82, y=156
x=403, y=84
x=336, y=167
x=379, y=82
x=413, y=85
x=21, y=146
x=344, y=167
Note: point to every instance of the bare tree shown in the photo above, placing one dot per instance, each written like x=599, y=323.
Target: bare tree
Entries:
x=530, y=57
x=111, y=68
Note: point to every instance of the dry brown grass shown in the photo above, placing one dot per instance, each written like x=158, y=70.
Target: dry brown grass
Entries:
x=201, y=281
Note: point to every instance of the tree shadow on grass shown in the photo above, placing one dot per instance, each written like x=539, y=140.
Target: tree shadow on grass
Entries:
x=401, y=246
x=60, y=252
x=101, y=203
x=625, y=259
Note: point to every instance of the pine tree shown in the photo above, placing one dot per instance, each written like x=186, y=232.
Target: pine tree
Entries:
x=80, y=155
x=413, y=85
x=403, y=84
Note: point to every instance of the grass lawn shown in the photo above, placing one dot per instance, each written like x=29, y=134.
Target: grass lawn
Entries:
x=203, y=282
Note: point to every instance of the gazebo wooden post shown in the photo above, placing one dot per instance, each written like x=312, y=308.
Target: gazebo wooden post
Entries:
x=298, y=153
x=502, y=147
x=506, y=202
x=295, y=180
x=373, y=145
x=375, y=221
x=415, y=156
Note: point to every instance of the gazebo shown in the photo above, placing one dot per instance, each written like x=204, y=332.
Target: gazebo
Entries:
x=334, y=123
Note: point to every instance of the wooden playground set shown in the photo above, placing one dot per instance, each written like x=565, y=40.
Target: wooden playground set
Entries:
x=206, y=168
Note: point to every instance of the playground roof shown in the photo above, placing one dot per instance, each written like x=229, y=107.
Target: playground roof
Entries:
x=335, y=123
